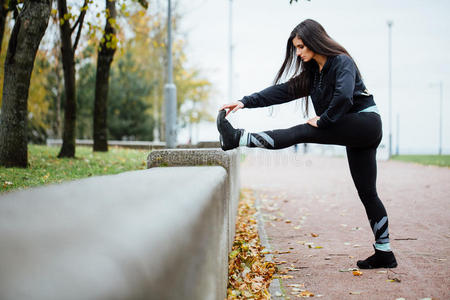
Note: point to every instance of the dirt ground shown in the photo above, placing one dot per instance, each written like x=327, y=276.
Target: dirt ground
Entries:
x=303, y=195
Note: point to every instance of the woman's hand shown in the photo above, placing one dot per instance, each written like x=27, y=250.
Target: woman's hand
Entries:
x=313, y=121
x=232, y=107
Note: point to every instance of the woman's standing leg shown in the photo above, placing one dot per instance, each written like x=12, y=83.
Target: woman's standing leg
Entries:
x=363, y=168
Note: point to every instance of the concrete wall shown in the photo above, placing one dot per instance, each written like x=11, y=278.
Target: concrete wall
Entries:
x=153, y=234
x=230, y=160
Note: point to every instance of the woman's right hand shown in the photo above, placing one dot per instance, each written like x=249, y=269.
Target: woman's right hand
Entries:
x=232, y=107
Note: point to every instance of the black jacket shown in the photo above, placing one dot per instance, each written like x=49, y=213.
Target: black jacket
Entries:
x=336, y=90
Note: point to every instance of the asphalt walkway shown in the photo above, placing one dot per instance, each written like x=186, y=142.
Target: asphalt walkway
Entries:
x=313, y=217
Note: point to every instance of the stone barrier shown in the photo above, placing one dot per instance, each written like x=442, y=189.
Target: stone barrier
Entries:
x=161, y=233
x=207, y=157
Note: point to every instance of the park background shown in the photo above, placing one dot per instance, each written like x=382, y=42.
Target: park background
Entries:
x=259, y=29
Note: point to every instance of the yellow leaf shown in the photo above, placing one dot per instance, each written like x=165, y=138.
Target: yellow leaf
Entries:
x=234, y=253
x=357, y=273
x=306, y=294
x=314, y=235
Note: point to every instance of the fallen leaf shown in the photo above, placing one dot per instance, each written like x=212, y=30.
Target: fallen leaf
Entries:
x=296, y=285
x=287, y=221
x=306, y=294
x=6, y=183
x=355, y=293
x=357, y=273
x=394, y=280
x=234, y=253
x=348, y=270
x=314, y=235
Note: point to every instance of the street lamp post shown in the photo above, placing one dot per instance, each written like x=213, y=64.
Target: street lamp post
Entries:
x=389, y=23
x=441, y=100
x=230, y=54
x=397, y=150
x=170, y=90
x=441, y=107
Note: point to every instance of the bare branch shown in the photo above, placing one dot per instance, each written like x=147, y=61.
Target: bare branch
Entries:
x=80, y=24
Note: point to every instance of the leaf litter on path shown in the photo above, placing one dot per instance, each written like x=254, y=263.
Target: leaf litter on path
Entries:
x=249, y=275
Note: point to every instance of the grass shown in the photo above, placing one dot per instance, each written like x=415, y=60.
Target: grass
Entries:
x=437, y=160
x=45, y=167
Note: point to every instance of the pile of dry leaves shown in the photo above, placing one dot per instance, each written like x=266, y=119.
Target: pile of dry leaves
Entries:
x=249, y=275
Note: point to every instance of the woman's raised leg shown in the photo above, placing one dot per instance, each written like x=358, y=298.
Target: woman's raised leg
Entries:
x=355, y=130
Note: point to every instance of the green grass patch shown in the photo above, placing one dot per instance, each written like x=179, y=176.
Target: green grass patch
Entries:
x=45, y=167
x=436, y=160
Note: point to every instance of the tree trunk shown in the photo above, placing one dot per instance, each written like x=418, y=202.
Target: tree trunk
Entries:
x=3, y=13
x=24, y=42
x=104, y=60
x=68, y=60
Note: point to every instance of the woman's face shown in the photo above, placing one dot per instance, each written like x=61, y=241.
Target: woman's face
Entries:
x=301, y=50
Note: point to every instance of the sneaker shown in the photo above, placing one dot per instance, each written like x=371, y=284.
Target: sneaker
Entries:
x=381, y=259
x=229, y=137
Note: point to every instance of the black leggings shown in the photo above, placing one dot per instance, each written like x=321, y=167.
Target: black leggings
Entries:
x=361, y=134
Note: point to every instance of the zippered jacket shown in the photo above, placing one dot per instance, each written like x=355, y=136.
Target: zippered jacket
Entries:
x=336, y=90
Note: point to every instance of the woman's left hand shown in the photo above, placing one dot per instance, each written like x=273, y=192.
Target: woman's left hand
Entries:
x=313, y=121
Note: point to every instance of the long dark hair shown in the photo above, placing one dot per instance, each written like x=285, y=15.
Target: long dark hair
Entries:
x=316, y=39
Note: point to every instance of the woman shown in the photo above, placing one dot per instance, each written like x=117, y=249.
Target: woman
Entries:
x=346, y=115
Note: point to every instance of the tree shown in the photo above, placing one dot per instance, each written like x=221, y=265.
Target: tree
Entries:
x=104, y=60
x=108, y=46
x=68, y=59
x=26, y=36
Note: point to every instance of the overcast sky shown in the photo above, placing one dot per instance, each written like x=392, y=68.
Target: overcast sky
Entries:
x=420, y=49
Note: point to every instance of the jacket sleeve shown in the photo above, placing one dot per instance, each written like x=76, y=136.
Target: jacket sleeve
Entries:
x=276, y=94
x=342, y=99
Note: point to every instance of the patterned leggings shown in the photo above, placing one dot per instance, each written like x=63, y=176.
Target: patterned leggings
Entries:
x=361, y=134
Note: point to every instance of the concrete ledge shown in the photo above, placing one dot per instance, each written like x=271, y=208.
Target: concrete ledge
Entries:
x=207, y=157
x=151, y=234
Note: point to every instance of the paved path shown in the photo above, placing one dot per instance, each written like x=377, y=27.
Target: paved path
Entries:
x=302, y=194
